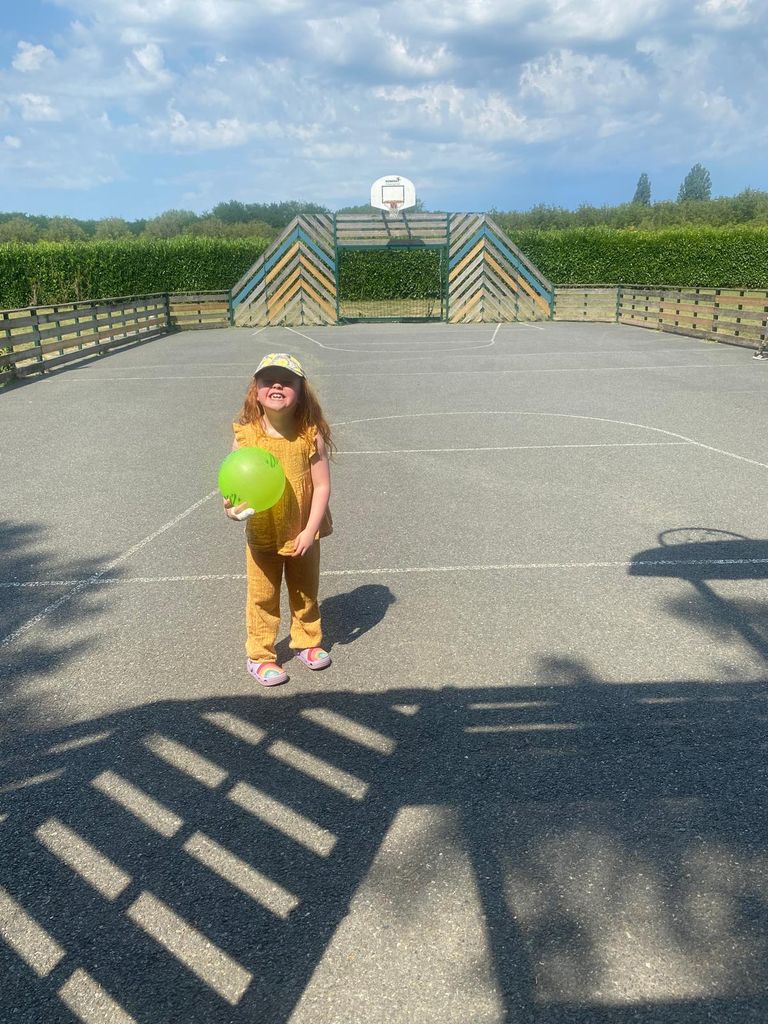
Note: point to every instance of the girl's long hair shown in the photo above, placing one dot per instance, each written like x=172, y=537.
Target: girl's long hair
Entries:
x=308, y=412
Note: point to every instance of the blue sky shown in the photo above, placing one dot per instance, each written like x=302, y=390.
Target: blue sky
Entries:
x=131, y=107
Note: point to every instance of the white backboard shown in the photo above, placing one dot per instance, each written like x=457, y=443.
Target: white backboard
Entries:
x=393, y=193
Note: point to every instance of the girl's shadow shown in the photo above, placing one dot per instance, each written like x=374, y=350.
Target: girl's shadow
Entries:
x=347, y=616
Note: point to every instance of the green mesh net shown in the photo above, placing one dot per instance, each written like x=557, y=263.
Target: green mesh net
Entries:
x=391, y=284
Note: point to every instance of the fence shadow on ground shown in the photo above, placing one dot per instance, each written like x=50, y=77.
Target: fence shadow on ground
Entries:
x=83, y=359
x=191, y=861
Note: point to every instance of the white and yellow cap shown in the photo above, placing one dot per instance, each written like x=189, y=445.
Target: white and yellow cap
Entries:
x=288, y=362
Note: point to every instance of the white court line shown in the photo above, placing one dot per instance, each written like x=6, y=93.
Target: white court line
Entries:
x=554, y=415
x=152, y=380
x=499, y=373
x=420, y=373
x=171, y=366
x=431, y=354
x=402, y=570
x=517, y=447
x=259, y=331
x=390, y=350
x=523, y=566
x=513, y=355
x=97, y=576
x=369, y=419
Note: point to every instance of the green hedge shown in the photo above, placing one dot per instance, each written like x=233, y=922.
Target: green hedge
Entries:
x=690, y=256
x=47, y=272
x=389, y=274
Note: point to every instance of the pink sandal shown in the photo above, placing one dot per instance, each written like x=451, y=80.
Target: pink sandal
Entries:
x=314, y=658
x=266, y=672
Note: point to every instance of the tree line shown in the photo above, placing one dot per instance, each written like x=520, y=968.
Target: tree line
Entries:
x=748, y=207
x=226, y=220
x=234, y=219
x=694, y=205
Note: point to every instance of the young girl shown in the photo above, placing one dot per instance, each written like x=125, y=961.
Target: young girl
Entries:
x=282, y=415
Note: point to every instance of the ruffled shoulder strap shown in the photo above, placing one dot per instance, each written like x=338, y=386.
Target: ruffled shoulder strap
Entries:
x=245, y=433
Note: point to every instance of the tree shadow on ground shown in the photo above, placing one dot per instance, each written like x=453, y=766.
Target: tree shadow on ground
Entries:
x=703, y=557
x=192, y=861
x=36, y=583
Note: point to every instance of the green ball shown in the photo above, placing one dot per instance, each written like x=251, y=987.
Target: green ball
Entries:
x=252, y=475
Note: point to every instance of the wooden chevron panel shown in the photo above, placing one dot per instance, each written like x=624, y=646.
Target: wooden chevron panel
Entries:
x=294, y=282
x=463, y=226
x=489, y=278
x=300, y=288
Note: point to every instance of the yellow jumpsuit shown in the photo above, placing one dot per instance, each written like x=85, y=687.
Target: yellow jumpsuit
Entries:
x=269, y=542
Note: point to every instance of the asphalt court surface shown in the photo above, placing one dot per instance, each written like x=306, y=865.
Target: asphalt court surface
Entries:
x=531, y=786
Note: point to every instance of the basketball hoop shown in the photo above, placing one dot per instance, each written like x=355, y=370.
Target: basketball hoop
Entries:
x=393, y=207
x=393, y=194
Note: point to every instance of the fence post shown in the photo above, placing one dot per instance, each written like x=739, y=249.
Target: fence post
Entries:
x=167, y=305
x=7, y=349
x=761, y=348
x=36, y=338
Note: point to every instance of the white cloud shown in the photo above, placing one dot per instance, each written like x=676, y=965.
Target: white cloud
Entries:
x=397, y=154
x=150, y=57
x=407, y=60
x=147, y=63
x=596, y=20
x=552, y=23
x=37, y=108
x=367, y=40
x=318, y=98
x=710, y=115
x=457, y=113
x=203, y=18
x=191, y=134
x=566, y=82
x=12, y=141
x=31, y=58
x=726, y=13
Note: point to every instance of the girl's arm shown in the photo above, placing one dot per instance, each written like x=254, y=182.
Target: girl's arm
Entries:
x=320, y=469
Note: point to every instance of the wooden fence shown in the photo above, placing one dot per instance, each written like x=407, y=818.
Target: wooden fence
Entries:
x=195, y=311
x=732, y=316
x=588, y=302
x=38, y=338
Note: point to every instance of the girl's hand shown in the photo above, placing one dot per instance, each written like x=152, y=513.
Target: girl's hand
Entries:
x=237, y=512
x=302, y=543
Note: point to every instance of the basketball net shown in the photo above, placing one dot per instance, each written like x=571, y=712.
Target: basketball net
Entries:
x=394, y=207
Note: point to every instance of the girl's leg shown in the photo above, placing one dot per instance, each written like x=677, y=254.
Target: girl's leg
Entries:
x=262, y=611
x=302, y=576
